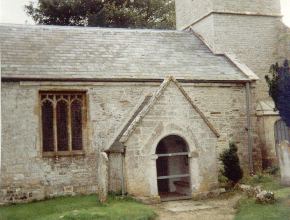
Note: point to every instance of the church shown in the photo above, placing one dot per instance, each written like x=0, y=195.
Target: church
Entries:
x=137, y=111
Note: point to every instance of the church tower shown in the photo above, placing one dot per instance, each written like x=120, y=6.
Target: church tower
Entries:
x=252, y=31
x=248, y=29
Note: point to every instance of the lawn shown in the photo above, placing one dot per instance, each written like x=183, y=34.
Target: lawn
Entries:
x=250, y=210
x=78, y=208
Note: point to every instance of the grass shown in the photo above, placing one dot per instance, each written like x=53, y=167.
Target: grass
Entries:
x=249, y=210
x=78, y=208
x=266, y=181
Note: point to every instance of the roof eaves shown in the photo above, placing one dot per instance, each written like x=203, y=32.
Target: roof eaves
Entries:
x=243, y=67
x=69, y=78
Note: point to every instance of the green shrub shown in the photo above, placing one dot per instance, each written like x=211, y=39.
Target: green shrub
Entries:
x=273, y=170
x=231, y=164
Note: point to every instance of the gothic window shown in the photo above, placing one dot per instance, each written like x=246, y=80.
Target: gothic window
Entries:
x=62, y=116
x=76, y=120
x=47, y=125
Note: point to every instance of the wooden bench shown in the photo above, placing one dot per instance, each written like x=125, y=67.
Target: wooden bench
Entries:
x=182, y=187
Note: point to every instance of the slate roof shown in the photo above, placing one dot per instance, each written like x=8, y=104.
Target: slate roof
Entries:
x=84, y=52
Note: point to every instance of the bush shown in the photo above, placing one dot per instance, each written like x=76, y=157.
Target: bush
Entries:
x=273, y=170
x=279, y=89
x=231, y=164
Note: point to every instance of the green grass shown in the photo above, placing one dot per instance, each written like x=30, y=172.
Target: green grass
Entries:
x=266, y=181
x=250, y=210
x=78, y=208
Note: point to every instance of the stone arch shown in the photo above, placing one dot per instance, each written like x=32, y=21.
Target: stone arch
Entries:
x=172, y=129
x=177, y=136
x=173, y=168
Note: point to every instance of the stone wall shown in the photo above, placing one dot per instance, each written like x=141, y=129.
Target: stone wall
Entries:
x=266, y=125
x=26, y=175
x=265, y=7
x=188, y=11
x=252, y=39
x=284, y=43
x=250, y=30
x=170, y=114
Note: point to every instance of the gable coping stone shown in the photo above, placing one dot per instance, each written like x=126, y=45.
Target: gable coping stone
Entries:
x=154, y=99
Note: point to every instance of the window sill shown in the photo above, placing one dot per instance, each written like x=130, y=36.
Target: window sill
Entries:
x=63, y=153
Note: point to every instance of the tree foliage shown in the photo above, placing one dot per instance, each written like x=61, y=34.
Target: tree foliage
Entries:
x=231, y=164
x=157, y=14
x=279, y=89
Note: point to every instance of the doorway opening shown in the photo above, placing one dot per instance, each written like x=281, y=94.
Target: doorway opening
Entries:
x=172, y=164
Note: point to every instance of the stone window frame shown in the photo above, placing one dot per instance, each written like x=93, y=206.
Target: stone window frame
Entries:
x=70, y=151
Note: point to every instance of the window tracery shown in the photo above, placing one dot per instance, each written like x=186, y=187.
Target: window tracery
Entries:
x=62, y=116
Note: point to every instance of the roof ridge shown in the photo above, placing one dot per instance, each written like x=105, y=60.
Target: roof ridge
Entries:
x=65, y=27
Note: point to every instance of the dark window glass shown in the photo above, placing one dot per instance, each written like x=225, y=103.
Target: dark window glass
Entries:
x=61, y=121
x=47, y=126
x=76, y=125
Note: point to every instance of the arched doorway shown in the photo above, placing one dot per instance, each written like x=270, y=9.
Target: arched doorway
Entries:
x=172, y=164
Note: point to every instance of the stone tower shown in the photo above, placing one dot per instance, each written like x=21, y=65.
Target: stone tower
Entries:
x=249, y=29
x=252, y=31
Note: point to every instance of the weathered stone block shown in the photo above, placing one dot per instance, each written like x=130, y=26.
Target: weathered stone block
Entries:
x=103, y=173
x=284, y=162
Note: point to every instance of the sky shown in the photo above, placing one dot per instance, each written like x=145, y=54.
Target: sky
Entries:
x=12, y=11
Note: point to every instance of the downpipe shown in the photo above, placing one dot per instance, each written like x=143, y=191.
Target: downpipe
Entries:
x=249, y=128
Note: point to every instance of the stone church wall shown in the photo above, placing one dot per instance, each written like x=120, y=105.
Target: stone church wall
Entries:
x=253, y=40
x=26, y=175
x=284, y=43
x=171, y=114
x=250, y=30
x=188, y=11
x=247, y=37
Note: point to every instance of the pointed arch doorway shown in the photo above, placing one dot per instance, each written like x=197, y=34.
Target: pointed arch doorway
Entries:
x=172, y=165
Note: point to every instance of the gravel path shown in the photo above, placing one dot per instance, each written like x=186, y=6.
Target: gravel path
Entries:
x=212, y=209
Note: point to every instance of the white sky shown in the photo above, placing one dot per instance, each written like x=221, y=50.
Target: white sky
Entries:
x=12, y=11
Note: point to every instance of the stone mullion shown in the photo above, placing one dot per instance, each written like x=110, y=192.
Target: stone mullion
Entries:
x=69, y=125
x=54, y=123
x=84, y=116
